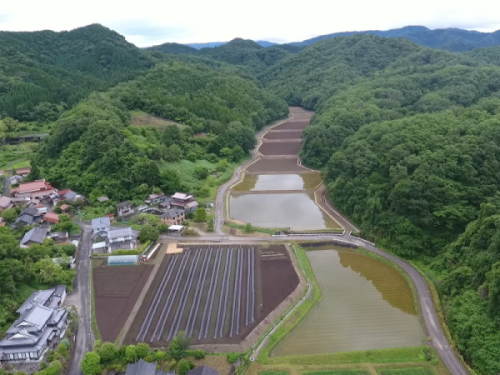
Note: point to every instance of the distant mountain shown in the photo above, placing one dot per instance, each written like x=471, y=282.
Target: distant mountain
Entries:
x=246, y=52
x=450, y=39
x=173, y=48
x=262, y=43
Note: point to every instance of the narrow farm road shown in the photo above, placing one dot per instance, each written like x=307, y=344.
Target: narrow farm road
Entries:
x=80, y=298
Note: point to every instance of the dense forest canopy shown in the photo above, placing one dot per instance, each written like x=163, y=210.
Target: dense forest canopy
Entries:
x=48, y=68
x=93, y=148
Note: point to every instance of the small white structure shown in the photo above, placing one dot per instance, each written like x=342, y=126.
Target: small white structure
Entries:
x=176, y=229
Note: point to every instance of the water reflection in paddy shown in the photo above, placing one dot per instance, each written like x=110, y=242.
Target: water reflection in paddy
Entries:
x=365, y=304
x=279, y=182
x=289, y=210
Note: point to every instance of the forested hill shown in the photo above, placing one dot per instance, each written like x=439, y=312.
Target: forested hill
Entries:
x=94, y=150
x=39, y=70
x=452, y=39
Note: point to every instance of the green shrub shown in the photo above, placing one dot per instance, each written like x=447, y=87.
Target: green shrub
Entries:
x=199, y=354
x=233, y=357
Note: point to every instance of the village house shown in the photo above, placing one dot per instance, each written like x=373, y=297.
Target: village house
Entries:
x=124, y=209
x=155, y=199
x=145, y=368
x=61, y=237
x=173, y=216
x=70, y=196
x=41, y=322
x=23, y=172
x=121, y=239
x=16, y=179
x=184, y=201
x=20, y=201
x=51, y=218
x=35, y=190
x=165, y=205
x=5, y=203
x=28, y=216
x=100, y=226
x=36, y=235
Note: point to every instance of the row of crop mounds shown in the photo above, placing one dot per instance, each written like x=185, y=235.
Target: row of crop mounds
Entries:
x=116, y=290
x=215, y=294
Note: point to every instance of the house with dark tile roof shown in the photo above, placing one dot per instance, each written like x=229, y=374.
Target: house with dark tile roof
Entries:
x=36, y=235
x=124, y=209
x=41, y=321
x=28, y=216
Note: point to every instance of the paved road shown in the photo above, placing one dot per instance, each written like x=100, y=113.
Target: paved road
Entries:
x=80, y=297
x=6, y=186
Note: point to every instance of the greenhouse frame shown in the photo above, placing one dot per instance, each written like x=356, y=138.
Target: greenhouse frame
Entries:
x=122, y=260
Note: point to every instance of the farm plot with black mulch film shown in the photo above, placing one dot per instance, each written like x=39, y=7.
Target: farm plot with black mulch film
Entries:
x=217, y=294
x=116, y=290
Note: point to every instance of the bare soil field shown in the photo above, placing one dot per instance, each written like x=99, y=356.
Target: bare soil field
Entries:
x=280, y=148
x=148, y=120
x=295, y=124
x=300, y=111
x=283, y=135
x=217, y=294
x=275, y=166
x=116, y=289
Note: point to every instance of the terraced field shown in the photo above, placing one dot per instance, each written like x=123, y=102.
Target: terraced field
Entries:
x=215, y=294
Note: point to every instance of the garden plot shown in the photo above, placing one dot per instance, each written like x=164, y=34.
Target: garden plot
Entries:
x=216, y=294
x=116, y=290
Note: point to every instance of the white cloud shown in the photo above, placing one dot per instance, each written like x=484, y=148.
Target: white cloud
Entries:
x=149, y=22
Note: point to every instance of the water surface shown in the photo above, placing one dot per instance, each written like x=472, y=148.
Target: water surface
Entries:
x=279, y=182
x=297, y=211
x=365, y=304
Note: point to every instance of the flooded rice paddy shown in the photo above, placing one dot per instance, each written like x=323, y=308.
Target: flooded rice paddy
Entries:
x=365, y=305
x=297, y=211
x=279, y=182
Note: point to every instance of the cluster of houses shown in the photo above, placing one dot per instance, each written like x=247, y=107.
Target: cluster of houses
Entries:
x=34, y=199
x=171, y=209
x=42, y=322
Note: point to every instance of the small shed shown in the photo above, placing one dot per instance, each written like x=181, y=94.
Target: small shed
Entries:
x=176, y=229
x=122, y=260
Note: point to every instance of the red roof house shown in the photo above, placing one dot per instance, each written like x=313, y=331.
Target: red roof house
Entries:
x=51, y=217
x=35, y=189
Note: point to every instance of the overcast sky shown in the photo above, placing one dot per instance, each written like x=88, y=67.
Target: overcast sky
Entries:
x=150, y=22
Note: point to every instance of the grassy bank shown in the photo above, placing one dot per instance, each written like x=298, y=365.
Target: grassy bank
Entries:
x=301, y=312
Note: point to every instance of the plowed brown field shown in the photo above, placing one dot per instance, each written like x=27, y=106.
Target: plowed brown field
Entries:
x=283, y=135
x=116, y=289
